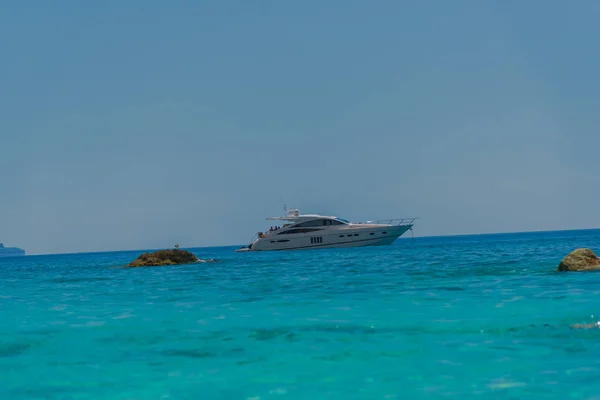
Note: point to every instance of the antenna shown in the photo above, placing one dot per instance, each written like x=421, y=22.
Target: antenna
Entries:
x=284, y=205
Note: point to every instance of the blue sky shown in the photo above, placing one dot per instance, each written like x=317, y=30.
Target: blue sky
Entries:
x=141, y=124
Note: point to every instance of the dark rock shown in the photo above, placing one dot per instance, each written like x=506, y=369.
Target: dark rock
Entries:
x=580, y=260
x=164, y=257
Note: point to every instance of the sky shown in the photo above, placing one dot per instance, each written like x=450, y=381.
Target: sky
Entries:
x=141, y=124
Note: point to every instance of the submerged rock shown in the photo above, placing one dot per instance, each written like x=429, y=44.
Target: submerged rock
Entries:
x=586, y=326
x=164, y=257
x=580, y=260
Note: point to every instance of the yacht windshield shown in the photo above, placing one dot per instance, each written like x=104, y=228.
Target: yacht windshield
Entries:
x=343, y=220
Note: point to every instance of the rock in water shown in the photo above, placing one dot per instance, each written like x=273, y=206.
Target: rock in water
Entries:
x=580, y=260
x=164, y=257
x=586, y=326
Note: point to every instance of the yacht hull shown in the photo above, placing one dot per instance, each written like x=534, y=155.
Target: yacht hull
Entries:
x=352, y=237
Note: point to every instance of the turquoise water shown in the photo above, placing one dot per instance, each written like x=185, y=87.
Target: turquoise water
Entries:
x=461, y=317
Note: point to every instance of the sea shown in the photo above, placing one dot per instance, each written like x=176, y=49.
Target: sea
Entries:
x=484, y=316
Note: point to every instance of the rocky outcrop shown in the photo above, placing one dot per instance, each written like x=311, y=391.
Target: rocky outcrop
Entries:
x=580, y=260
x=164, y=257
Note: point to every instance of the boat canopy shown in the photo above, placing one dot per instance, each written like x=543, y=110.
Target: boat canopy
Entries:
x=294, y=215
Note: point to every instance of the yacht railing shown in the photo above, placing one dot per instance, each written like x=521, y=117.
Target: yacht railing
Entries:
x=266, y=233
x=260, y=235
x=393, y=221
x=253, y=239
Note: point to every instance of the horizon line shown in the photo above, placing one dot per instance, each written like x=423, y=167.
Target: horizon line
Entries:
x=400, y=238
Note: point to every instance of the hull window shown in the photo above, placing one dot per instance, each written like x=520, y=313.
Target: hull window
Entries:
x=329, y=222
x=315, y=240
x=301, y=230
x=318, y=222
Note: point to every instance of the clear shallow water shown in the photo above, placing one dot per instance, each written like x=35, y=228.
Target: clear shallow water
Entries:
x=461, y=317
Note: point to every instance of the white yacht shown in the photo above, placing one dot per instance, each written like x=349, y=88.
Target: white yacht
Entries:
x=313, y=231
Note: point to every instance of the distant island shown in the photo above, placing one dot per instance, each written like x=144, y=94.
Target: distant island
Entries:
x=10, y=251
